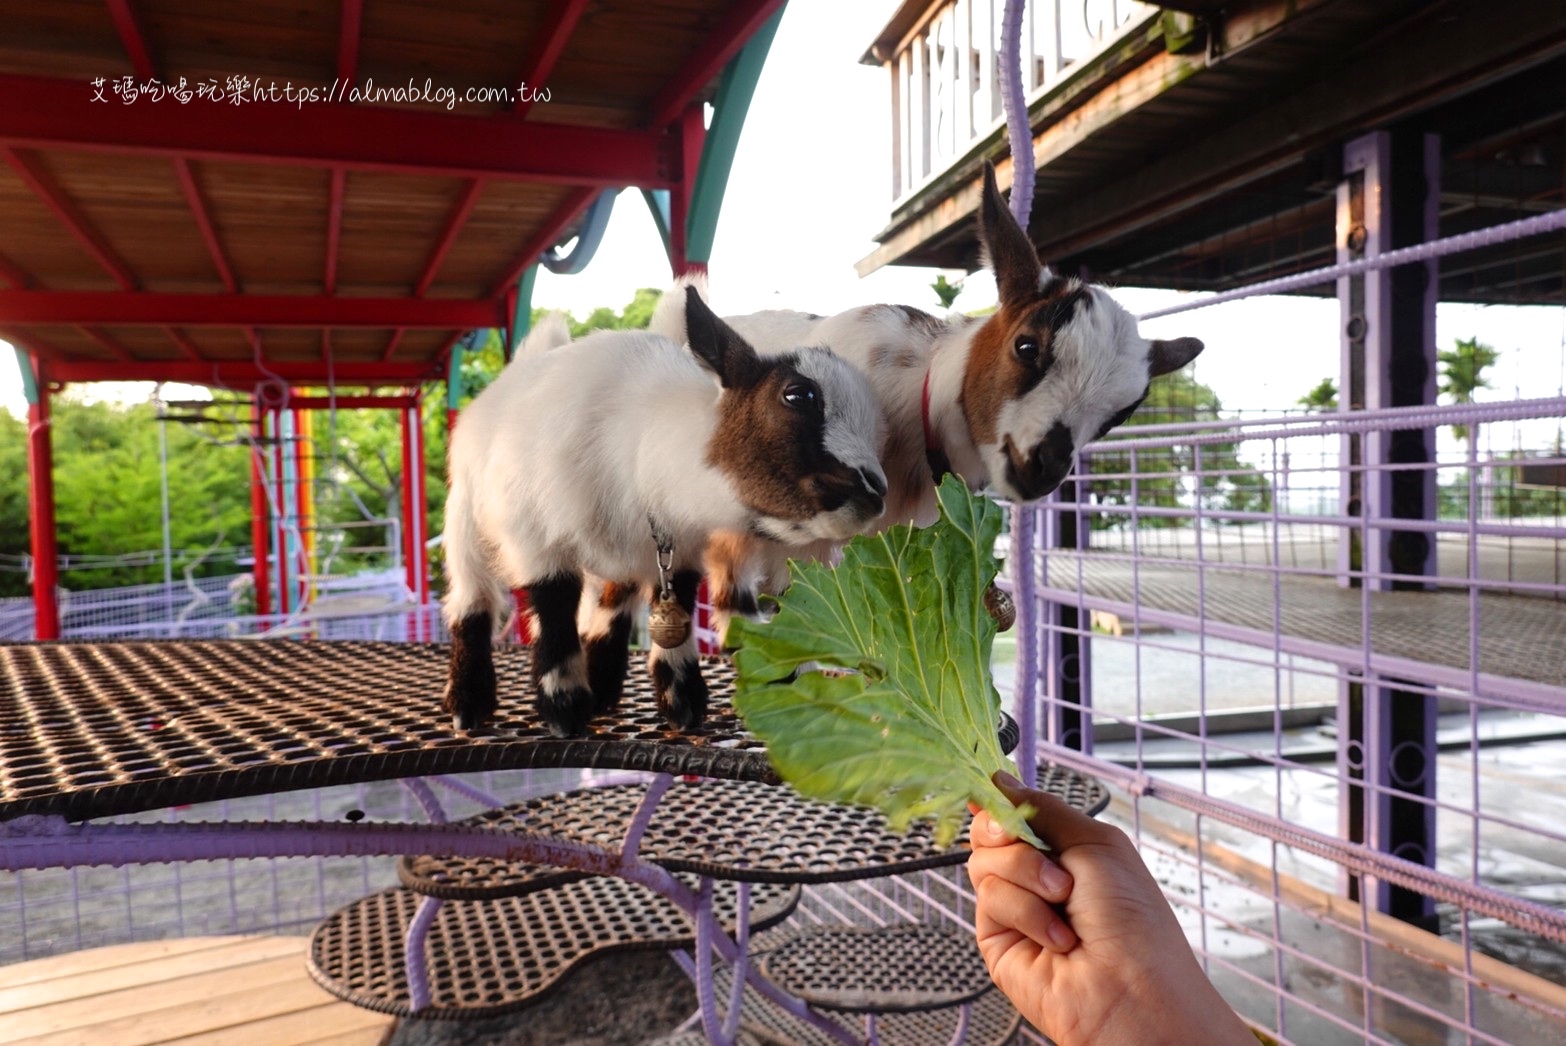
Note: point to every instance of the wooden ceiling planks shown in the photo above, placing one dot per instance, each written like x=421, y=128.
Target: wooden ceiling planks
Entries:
x=160, y=224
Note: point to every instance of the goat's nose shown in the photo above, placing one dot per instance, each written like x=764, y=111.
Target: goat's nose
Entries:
x=874, y=481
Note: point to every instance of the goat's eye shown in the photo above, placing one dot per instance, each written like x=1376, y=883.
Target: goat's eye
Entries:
x=1027, y=348
x=801, y=395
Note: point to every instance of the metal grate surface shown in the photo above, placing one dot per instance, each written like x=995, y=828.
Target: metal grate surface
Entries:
x=891, y=969
x=96, y=729
x=993, y=1021
x=491, y=957
x=724, y=829
x=1519, y=637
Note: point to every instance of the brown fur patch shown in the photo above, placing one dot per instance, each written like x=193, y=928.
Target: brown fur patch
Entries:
x=775, y=455
x=994, y=375
x=616, y=594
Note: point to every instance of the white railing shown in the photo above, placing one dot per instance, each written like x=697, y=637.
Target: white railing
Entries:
x=945, y=75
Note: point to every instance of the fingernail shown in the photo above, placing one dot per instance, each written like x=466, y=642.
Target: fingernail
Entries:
x=1005, y=780
x=1061, y=935
x=994, y=829
x=1055, y=878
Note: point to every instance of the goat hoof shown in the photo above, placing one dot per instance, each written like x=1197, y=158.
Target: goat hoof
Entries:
x=682, y=695
x=469, y=711
x=566, y=713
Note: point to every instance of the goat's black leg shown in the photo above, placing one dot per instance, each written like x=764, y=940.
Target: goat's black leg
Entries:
x=470, y=686
x=676, y=673
x=565, y=701
x=606, y=641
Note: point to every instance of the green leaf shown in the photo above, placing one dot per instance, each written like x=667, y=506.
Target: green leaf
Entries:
x=911, y=728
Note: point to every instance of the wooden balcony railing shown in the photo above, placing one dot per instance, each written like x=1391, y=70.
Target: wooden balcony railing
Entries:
x=945, y=80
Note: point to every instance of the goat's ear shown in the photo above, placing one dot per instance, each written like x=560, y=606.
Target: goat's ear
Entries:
x=719, y=346
x=1010, y=253
x=1166, y=356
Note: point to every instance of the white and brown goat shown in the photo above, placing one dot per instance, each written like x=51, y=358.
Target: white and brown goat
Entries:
x=587, y=461
x=1003, y=401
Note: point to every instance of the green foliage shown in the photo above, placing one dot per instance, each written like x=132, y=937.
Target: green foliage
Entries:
x=1462, y=373
x=107, y=483
x=1164, y=477
x=1322, y=398
x=944, y=291
x=910, y=728
x=15, y=537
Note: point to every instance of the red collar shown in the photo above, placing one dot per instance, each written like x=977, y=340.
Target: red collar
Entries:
x=924, y=415
x=933, y=454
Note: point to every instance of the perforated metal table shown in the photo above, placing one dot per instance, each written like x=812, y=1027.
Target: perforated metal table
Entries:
x=95, y=730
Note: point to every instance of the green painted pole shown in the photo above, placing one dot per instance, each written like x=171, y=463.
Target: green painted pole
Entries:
x=729, y=109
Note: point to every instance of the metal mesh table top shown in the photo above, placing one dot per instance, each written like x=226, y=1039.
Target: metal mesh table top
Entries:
x=96, y=729
x=493, y=957
x=889, y=969
x=724, y=829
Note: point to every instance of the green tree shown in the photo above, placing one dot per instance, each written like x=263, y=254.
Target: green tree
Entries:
x=108, y=475
x=1462, y=374
x=1165, y=476
x=944, y=291
x=15, y=537
x=1322, y=398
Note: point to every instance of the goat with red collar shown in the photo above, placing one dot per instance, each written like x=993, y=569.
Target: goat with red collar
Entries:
x=1003, y=401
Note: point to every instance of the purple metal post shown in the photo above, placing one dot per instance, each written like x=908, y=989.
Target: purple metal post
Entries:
x=413, y=952
x=741, y=965
x=1020, y=134
x=643, y=817
x=467, y=791
x=706, y=995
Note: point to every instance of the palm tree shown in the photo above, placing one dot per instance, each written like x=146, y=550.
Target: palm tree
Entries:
x=1462, y=374
x=1321, y=399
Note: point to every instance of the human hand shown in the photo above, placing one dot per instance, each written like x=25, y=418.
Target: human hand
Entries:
x=1117, y=968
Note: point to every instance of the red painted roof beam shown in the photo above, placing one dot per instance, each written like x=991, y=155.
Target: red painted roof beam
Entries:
x=541, y=241
x=133, y=38
x=108, y=344
x=737, y=26
x=558, y=26
x=44, y=112
x=12, y=273
x=234, y=373
x=348, y=40
x=111, y=308
x=32, y=172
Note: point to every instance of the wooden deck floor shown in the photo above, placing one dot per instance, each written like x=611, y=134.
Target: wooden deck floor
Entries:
x=207, y=990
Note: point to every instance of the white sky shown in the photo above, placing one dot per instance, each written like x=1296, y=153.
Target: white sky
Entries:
x=811, y=184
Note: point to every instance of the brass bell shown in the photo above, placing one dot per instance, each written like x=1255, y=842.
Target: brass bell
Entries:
x=668, y=625
x=1001, y=607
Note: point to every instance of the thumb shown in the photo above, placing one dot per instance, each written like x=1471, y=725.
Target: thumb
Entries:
x=1059, y=824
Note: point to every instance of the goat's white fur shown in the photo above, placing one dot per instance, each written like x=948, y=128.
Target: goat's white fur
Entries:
x=557, y=466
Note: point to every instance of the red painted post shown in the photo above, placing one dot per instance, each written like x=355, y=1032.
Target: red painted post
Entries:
x=410, y=542
x=40, y=498
x=260, y=516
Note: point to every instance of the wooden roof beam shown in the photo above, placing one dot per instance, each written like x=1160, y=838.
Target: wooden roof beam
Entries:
x=82, y=230
x=738, y=25
x=44, y=112
x=111, y=308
